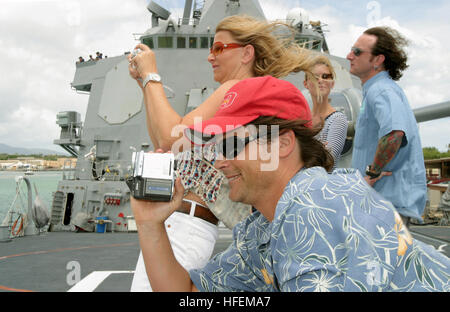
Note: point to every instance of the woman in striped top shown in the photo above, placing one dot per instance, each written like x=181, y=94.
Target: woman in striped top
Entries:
x=334, y=129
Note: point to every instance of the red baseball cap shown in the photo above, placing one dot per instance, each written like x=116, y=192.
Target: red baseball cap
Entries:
x=252, y=98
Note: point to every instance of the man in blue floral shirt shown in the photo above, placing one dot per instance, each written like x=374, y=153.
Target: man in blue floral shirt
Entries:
x=311, y=231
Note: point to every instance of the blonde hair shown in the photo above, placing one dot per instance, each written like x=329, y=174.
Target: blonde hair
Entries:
x=276, y=54
x=321, y=60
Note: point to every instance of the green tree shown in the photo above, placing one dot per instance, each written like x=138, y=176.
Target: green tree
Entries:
x=434, y=153
x=51, y=157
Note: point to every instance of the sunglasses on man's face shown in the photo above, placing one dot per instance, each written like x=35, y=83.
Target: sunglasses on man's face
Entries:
x=218, y=47
x=232, y=146
x=357, y=51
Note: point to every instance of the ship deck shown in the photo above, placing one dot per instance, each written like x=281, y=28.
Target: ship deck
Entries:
x=104, y=262
x=51, y=262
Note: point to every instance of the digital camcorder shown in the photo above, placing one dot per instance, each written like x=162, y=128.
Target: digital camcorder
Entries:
x=152, y=176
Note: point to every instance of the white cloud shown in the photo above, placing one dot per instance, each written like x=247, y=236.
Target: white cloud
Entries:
x=42, y=39
x=425, y=81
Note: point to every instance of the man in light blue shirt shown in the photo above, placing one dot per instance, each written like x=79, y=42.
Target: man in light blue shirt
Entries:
x=387, y=146
x=311, y=231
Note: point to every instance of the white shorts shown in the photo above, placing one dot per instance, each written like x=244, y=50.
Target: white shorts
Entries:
x=192, y=241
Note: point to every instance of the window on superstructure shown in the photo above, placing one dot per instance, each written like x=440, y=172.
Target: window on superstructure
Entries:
x=317, y=45
x=192, y=42
x=148, y=42
x=165, y=42
x=204, y=43
x=181, y=42
x=303, y=42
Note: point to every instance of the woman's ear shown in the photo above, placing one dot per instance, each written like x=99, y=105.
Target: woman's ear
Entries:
x=248, y=54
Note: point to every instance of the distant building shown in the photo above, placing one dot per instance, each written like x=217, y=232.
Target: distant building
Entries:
x=4, y=164
x=61, y=163
x=24, y=163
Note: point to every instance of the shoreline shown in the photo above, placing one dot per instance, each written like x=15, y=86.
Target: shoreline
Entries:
x=37, y=170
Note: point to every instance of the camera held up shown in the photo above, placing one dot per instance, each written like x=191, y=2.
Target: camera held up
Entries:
x=153, y=176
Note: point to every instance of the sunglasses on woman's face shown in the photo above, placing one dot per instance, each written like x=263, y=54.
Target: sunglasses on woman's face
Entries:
x=218, y=47
x=232, y=146
x=324, y=76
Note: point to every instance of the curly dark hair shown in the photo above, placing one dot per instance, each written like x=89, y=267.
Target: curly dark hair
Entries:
x=390, y=43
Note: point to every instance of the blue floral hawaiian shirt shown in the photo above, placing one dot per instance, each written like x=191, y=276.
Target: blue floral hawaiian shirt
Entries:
x=330, y=232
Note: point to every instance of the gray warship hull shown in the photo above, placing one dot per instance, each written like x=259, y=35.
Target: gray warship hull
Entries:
x=115, y=122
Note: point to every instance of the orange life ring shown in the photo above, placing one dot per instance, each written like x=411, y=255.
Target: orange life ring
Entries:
x=20, y=226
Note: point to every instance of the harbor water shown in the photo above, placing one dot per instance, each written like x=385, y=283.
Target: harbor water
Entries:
x=46, y=183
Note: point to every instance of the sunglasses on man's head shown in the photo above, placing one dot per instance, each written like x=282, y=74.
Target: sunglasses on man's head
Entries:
x=232, y=146
x=357, y=51
x=218, y=47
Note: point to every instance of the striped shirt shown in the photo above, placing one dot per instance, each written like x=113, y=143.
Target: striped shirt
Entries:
x=333, y=134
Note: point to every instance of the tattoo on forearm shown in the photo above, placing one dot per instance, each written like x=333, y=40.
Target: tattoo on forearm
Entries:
x=388, y=146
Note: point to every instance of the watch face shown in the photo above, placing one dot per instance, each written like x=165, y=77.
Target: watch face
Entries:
x=151, y=77
x=155, y=77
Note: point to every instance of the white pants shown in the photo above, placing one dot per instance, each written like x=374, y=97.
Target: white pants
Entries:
x=192, y=241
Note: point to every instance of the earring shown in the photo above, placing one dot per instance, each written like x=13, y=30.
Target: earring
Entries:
x=375, y=67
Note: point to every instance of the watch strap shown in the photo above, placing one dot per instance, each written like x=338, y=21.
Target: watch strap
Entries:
x=151, y=77
x=372, y=174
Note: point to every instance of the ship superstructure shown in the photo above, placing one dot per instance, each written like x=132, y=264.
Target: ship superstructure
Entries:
x=115, y=122
x=95, y=197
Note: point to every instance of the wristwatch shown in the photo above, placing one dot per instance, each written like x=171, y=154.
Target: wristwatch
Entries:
x=151, y=77
x=372, y=174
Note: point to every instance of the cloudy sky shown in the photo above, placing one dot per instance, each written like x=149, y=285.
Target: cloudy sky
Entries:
x=40, y=40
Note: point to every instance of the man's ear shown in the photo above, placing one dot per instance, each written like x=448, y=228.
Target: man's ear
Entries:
x=287, y=142
x=380, y=60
